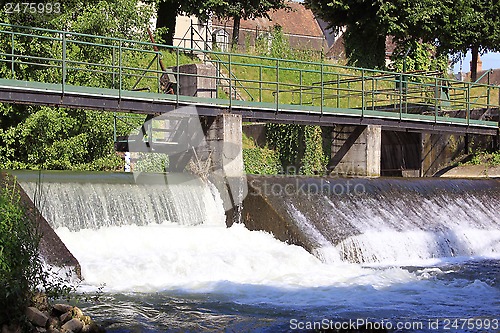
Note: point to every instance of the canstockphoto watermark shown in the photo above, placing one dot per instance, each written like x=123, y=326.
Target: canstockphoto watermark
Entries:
x=364, y=324
x=308, y=187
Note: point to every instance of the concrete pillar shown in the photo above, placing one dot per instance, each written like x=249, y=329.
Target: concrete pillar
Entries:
x=198, y=80
x=224, y=138
x=223, y=135
x=356, y=151
x=439, y=150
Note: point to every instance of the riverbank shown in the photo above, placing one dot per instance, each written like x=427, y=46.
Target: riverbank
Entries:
x=478, y=165
x=43, y=317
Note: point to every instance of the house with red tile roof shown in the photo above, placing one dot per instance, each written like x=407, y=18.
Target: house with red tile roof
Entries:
x=298, y=25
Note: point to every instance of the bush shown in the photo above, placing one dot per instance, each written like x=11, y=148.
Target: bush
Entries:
x=22, y=272
x=261, y=161
x=19, y=261
x=485, y=158
x=152, y=162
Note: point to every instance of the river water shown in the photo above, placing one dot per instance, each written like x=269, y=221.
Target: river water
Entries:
x=167, y=279
x=144, y=271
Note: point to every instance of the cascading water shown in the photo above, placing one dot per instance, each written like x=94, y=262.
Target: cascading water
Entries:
x=167, y=263
x=79, y=202
x=398, y=221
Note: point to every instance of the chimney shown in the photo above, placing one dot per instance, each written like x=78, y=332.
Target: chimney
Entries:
x=479, y=64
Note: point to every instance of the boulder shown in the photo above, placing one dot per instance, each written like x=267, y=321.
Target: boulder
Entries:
x=62, y=308
x=93, y=328
x=36, y=317
x=65, y=317
x=75, y=325
x=11, y=329
x=76, y=312
x=53, y=322
x=41, y=302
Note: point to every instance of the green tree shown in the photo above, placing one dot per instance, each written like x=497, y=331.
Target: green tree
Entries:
x=453, y=26
x=365, y=33
x=166, y=18
x=40, y=137
x=469, y=25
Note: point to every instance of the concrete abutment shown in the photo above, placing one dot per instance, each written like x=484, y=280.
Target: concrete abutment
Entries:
x=355, y=151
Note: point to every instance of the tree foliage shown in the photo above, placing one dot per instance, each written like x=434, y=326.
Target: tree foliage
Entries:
x=366, y=31
x=452, y=26
x=469, y=25
x=37, y=137
x=300, y=148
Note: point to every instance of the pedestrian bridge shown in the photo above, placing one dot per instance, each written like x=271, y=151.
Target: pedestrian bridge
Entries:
x=67, y=69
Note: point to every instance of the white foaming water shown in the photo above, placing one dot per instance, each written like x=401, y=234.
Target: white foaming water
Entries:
x=393, y=229
x=169, y=257
x=417, y=246
x=138, y=238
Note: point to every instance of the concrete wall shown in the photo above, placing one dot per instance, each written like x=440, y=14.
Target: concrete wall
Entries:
x=257, y=132
x=183, y=36
x=261, y=212
x=356, y=151
x=224, y=146
x=223, y=136
x=438, y=150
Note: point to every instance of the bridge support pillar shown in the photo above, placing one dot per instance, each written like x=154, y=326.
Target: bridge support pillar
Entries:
x=438, y=150
x=223, y=135
x=356, y=151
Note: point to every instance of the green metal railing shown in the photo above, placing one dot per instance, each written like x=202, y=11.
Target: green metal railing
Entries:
x=61, y=57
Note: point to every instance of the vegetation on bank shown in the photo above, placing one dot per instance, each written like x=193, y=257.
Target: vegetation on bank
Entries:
x=485, y=158
x=19, y=262
x=39, y=137
x=259, y=160
x=22, y=271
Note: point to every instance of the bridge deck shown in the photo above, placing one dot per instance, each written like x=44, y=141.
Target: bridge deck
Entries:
x=258, y=88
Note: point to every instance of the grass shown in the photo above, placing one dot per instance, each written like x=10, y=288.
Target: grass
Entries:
x=308, y=80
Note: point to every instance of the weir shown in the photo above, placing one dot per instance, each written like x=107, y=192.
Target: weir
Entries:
x=378, y=220
x=94, y=200
x=338, y=220
x=184, y=274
